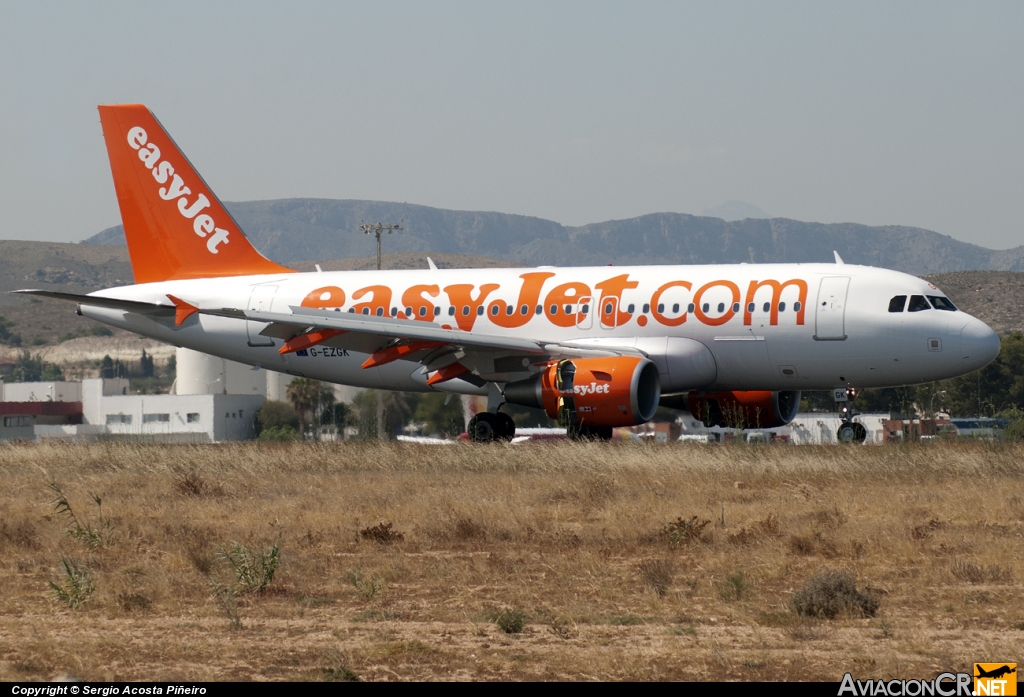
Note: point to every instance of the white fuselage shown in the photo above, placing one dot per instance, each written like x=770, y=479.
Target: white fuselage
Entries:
x=767, y=326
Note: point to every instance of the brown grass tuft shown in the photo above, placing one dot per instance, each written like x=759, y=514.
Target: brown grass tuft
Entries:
x=22, y=534
x=466, y=528
x=832, y=593
x=198, y=548
x=763, y=529
x=382, y=534
x=192, y=483
x=924, y=531
x=657, y=574
x=813, y=544
x=683, y=531
x=130, y=602
x=976, y=573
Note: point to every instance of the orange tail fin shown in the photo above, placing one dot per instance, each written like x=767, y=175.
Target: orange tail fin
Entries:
x=175, y=226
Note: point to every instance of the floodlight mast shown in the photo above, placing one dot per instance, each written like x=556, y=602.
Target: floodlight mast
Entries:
x=377, y=229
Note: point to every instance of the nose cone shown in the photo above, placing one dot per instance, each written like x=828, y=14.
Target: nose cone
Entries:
x=979, y=345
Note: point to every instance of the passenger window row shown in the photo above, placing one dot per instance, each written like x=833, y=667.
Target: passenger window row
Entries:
x=919, y=302
x=585, y=309
x=706, y=307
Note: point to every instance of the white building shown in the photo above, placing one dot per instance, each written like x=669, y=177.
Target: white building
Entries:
x=212, y=400
x=41, y=392
x=216, y=401
x=171, y=418
x=109, y=412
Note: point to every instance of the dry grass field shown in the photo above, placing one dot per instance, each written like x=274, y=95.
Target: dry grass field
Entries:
x=542, y=561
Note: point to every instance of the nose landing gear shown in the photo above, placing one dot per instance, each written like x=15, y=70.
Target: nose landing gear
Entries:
x=849, y=431
x=852, y=433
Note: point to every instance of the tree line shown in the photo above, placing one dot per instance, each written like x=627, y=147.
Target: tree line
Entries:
x=312, y=410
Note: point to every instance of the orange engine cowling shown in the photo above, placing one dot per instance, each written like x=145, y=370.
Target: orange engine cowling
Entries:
x=620, y=391
x=749, y=409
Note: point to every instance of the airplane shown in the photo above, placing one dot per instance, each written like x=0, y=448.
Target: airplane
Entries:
x=595, y=347
x=995, y=672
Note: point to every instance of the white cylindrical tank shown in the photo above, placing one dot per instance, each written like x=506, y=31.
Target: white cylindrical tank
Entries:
x=277, y=385
x=199, y=373
x=244, y=379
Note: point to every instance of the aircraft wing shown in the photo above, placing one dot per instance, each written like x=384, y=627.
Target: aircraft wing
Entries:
x=435, y=347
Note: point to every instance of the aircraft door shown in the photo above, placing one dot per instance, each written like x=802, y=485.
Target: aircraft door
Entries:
x=261, y=300
x=584, y=312
x=830, y=316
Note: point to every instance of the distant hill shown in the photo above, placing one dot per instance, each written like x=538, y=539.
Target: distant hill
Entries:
x=74, y=268
x=734, y=210
x=292, y=230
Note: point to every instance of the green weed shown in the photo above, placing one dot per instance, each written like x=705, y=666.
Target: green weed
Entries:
x=254, y=570
x=92, y=537
x=735, y=587
x=77, y=584
x=368, y=587
x=228, y=602
x=511, y=621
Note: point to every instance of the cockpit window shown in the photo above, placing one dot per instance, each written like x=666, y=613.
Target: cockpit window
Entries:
x=918, y=303
x=898, y=303
x=941, y=303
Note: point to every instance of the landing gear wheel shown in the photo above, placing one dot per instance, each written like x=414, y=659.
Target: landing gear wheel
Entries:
x=578, y=432
x=506, y=427
x=483, y=428
x=852, y=433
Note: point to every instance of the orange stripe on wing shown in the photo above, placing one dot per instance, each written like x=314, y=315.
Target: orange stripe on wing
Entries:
x=447, y=373
x=393, y=353
x=303, y=341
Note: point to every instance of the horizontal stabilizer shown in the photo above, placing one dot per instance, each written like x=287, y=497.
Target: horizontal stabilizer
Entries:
x=99, y=301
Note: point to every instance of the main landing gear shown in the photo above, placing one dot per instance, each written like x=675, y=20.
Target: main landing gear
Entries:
x=486, y=427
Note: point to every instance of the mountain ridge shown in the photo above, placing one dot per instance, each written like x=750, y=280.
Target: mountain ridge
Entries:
x=294, y=230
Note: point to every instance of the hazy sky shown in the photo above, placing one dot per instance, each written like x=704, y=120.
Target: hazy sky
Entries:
x=891, y=113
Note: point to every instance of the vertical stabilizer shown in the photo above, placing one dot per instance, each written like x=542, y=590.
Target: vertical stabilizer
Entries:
x=175, y=226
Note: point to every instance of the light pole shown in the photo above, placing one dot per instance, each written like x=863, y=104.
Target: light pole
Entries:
x=377, y=229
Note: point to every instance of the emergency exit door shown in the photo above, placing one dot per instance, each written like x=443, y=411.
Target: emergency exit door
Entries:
x=830, y=318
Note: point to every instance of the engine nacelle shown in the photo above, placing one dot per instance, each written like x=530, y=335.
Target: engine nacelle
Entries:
x=620, y=391
x=748, y=409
